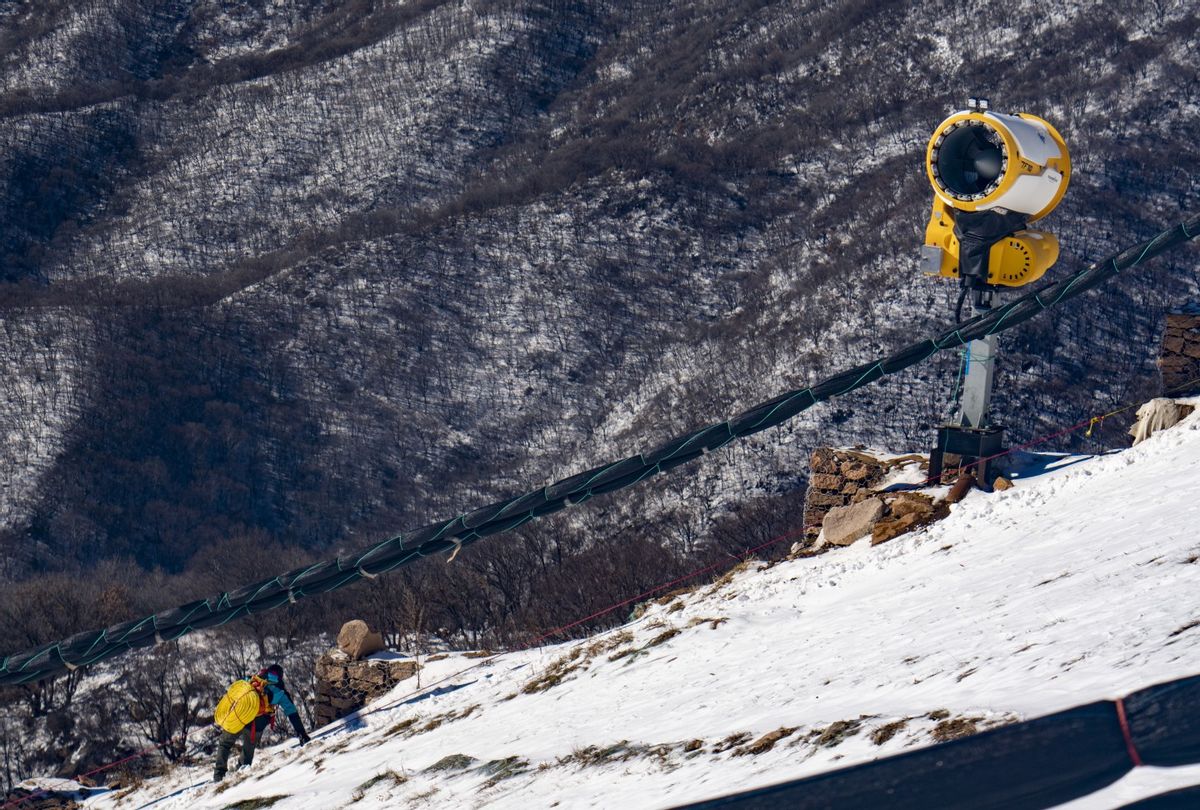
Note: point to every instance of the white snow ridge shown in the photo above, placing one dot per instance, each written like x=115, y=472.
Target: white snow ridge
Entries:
x=1078, y=584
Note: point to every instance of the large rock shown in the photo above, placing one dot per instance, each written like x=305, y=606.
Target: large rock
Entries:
x=892, y=528
x=912, y=503
x=356, y=639
x=845, y=524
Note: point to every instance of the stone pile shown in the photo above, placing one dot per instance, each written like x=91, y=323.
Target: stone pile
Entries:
x=843, y=502
x=347, y=681
x=1180, y=360
x=838, y=478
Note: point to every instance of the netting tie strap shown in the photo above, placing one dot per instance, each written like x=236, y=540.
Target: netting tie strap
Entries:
x=1096, y=420
x=70, y=667
x=457, y=548
x=158, y=639
x=364, y=572
x=1129, y=746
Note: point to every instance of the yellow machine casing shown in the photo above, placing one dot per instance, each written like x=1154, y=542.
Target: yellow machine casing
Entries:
x=1016, y=260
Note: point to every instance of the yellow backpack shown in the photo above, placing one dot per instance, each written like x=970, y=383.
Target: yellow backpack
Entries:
x=240, y=705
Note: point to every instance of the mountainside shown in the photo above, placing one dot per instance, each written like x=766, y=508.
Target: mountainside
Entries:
x=322, y=271
x=1076, y=585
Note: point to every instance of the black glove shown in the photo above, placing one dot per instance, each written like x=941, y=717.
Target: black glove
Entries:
x=300, y=732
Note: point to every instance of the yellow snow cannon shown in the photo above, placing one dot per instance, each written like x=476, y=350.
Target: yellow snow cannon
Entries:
x=993, y=173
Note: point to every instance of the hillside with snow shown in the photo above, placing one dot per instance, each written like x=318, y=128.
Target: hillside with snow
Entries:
x=1078, y=584
x=326, y=271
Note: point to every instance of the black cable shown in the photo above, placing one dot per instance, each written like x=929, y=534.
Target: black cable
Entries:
x=962, y=297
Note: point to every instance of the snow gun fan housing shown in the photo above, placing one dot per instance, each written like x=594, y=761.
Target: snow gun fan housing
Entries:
x=991, y=175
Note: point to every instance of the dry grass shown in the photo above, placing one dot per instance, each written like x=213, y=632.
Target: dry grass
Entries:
x=732, y=741
x=956, y=728
x=451, y=762
x=576, y=660
x=434, y=722
x=594, y=755
x=765, y=743
x=554, y=674
x=501, y=769
x=835, y=733
x=402, y=726
x=713, y=623
x=662, y=637
x=255, y=804
x=392, y=777
x=885, y=732
x=729, y=575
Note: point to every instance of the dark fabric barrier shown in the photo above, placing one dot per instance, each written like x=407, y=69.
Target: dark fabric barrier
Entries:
x=1164, y=721
x=1183, y=799
x=1026, y=766
x=86, y=648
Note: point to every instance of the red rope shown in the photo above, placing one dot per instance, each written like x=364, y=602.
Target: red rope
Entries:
x=93, y=772
x=1124, y=721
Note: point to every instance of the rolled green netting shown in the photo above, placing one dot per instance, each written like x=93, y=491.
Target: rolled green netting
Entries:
x=93, y=646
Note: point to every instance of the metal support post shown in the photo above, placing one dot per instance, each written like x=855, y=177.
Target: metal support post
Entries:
x=977, y=388
x=972, y=436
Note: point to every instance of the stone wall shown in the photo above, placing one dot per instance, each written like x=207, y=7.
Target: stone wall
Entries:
x=1180, y=360
x=345, y=685
x=837, y=478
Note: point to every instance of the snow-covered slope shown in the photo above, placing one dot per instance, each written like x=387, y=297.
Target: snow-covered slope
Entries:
x=1076, y=585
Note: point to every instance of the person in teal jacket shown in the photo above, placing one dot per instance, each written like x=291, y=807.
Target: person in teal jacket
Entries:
x=276, y=695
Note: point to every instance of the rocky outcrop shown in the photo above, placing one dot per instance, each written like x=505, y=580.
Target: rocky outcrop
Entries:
x=1180, y=358
x=345, y=685
x=842, y=478
x=837, y=478
x=906, y=511
x=844, y=503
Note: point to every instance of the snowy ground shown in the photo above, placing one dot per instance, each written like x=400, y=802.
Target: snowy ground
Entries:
x=1063, y=590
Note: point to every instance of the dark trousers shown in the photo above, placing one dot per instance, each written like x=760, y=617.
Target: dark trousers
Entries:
x=250, y=736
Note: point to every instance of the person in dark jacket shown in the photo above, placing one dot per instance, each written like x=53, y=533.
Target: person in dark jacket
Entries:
x=269, y=683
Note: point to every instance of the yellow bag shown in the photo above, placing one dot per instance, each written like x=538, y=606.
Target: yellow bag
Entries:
x=241, y=704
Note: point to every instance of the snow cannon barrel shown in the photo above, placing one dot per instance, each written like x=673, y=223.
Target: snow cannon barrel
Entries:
x=978, y=160
x=992, y=174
